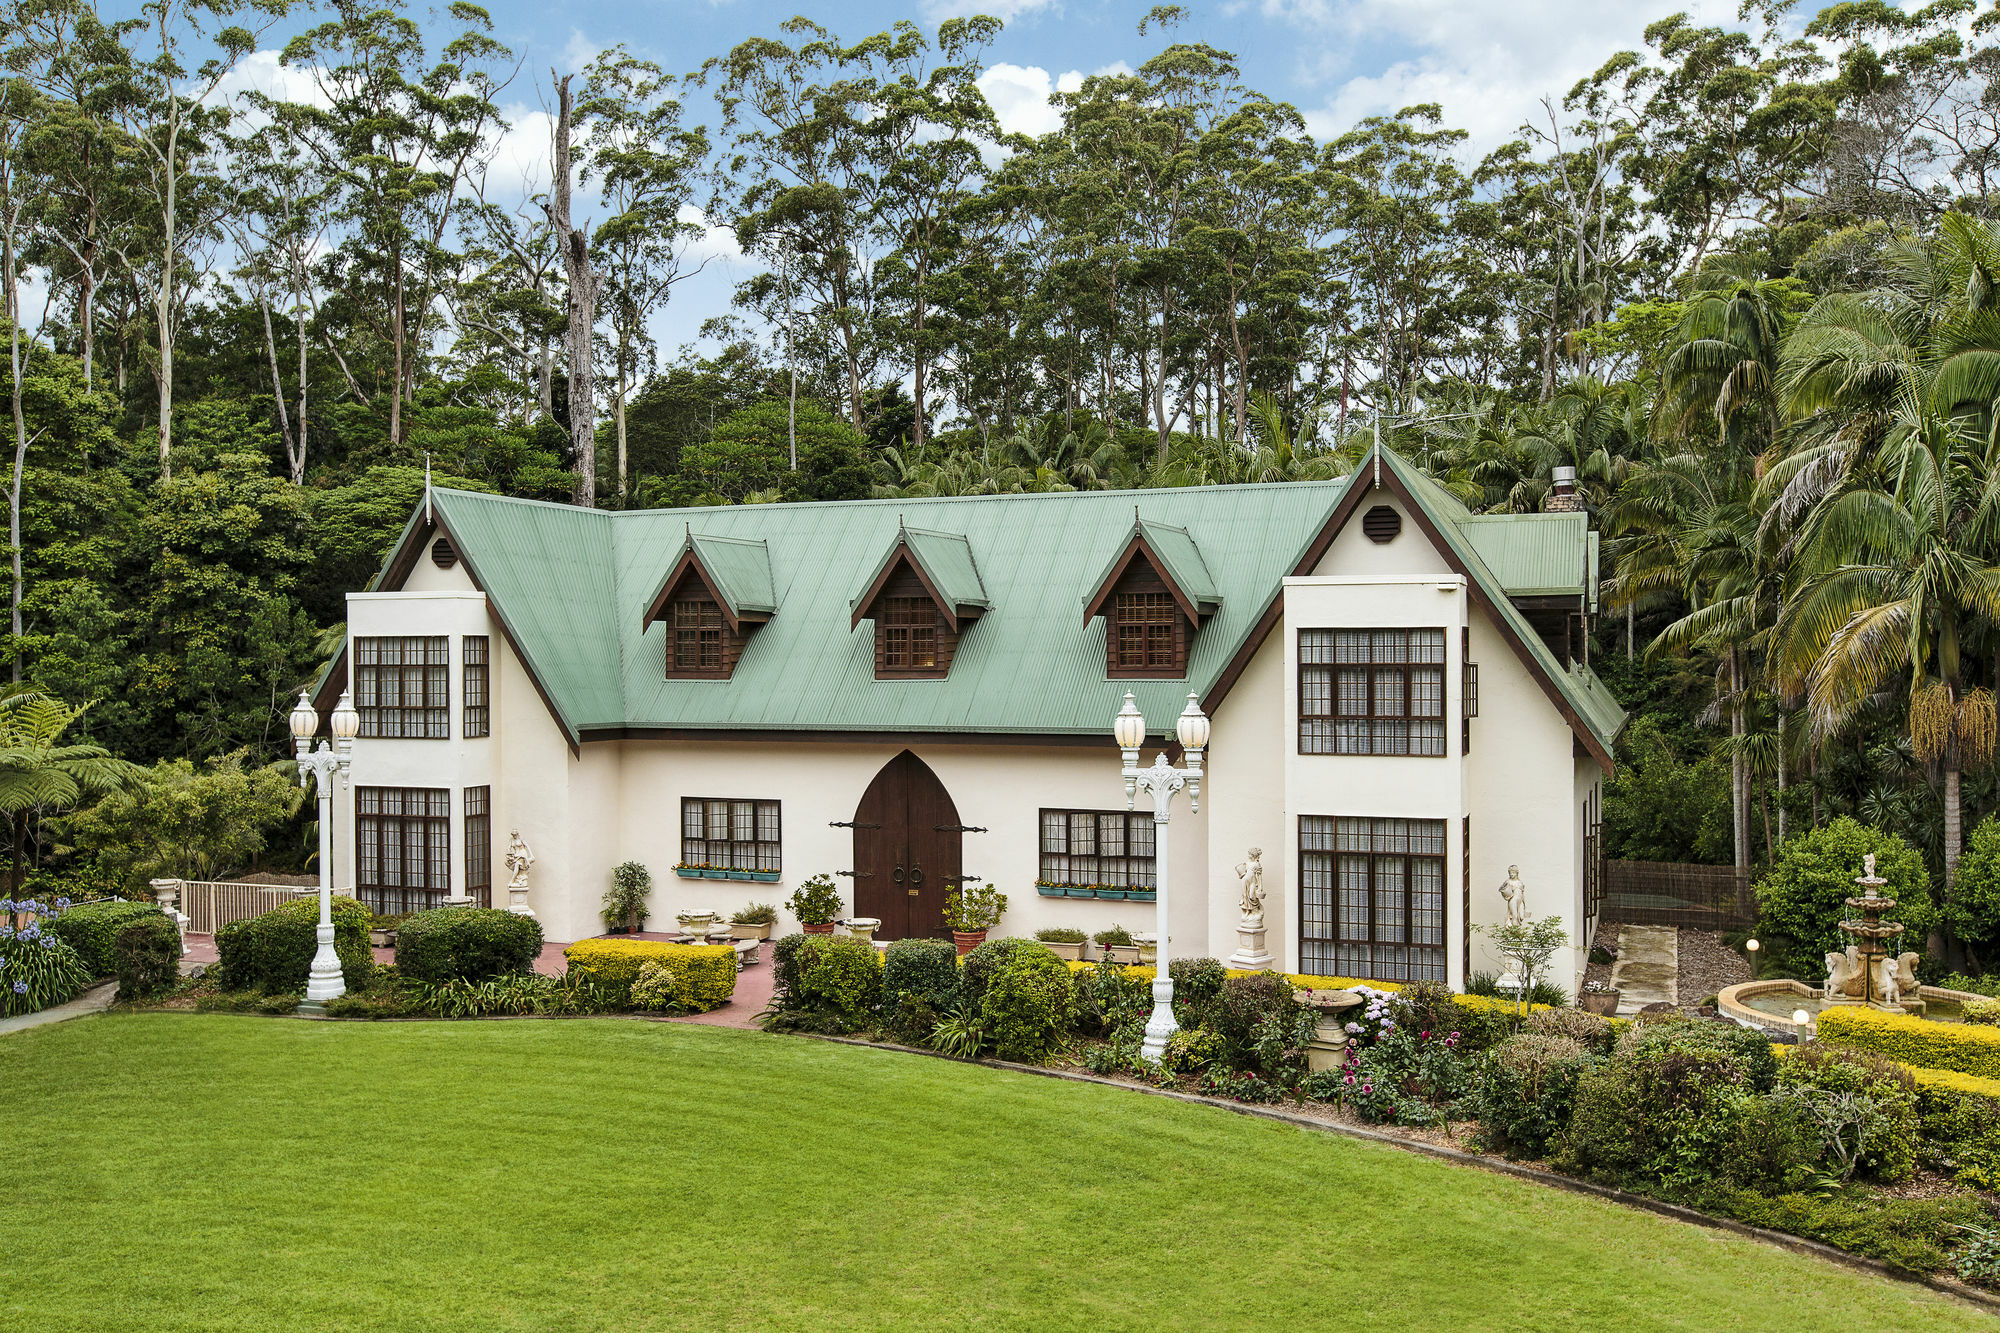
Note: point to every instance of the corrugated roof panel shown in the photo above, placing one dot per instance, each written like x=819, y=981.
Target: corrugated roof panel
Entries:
x=947, y=560
x=1532, y=554
x=741, y=569
x=1177, y=548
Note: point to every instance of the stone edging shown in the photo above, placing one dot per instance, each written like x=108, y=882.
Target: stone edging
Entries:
x=1498, y=1165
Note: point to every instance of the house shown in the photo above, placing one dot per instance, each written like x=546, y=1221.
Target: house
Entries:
x=910, y=692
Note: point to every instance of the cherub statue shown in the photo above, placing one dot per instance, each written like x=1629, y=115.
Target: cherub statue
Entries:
x=1251, y=872
x=1515, y=894
x=519, y=858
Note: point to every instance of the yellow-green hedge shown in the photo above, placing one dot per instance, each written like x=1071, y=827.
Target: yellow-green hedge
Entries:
x=708, y=970
x=1484, y=1003
x=1958, y=1047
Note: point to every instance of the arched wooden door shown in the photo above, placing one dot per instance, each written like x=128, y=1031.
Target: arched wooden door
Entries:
x=907, y=849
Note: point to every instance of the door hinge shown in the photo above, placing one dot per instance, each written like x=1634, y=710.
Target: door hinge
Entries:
x=856, y=874
x=848, y=823
x=958, y=828
x=963, y=879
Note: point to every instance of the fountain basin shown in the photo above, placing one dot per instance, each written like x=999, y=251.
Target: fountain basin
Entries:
x=1770, y=1004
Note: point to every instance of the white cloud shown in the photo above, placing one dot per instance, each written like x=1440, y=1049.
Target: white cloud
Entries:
x=937, y=11
x=714, y=243
x=1487, y=64
x=1019, y=94
x=579, y=51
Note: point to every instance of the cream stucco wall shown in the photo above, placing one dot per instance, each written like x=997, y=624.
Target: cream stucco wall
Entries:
x=1246, y=760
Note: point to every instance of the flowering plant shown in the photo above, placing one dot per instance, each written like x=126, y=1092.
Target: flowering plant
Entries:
x=36, y=969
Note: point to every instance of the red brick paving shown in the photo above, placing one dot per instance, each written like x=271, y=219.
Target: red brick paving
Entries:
x=753, y=983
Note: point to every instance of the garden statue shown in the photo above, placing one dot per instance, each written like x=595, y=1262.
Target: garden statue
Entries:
x=1887, y=988
x=1844, y=976
x=1251, y=955
x=519, y=858
x=1906, y=975
x=1515, y=894
x=1251, y=872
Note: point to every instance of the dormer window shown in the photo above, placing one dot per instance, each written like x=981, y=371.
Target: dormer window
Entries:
x=1153, y=596
x=922, y=597
x=717, y=592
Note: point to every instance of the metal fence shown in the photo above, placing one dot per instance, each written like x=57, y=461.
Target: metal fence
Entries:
x=1672, y=893
x=210, y=905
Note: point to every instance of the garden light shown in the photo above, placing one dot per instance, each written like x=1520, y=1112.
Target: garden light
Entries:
x=1161, y=781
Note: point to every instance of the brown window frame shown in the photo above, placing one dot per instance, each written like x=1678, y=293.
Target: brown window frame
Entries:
x=1387, y=677
x=733, y=816
x=695, y=623
x=1379, y=942
x=904, y=622
x=475, y=709
x=1061, y=864
x=377, y=680
x=479, y=845
x=402, y=847
x=1161, y=640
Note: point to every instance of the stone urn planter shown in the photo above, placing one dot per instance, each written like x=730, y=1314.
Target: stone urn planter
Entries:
x=1149, y=949
x=695, y=923
x=967, y=940
x=1063, y=949
x=382, y=939
x=862, y=928
x=1604, y=1002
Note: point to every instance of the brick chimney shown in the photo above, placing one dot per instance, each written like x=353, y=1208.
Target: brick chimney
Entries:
x=1563, y=498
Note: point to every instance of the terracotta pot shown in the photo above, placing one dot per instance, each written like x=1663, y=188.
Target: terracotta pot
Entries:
x=825, y=929
x=1599, y=1002
x=967, y=940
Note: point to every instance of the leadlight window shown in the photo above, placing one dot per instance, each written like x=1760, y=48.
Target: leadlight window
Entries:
x=1145, y=624
x=1111, y=848
x=402, y=847
x=697, y=637
x=402, y=687
x=909, y=634
x=729, y=834
x=479, y=844
x=1371, y=898
x=477, y=703
x=1371, y=691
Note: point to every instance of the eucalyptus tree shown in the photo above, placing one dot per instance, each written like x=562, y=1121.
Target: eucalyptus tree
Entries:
x=400, y=136
x=580, y=317
x=648, y=165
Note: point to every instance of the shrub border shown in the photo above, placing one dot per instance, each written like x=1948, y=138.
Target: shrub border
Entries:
x=1499, y=1165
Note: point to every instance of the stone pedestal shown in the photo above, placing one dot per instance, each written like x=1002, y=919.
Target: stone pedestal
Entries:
x=517, y=900
x=166, y=892
x=1251, y=955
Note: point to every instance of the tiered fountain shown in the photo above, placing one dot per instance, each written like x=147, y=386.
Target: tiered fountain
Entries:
x=1865, y=973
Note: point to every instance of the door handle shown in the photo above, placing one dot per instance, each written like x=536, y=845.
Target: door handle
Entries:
x=897, y=874
x=916, y=874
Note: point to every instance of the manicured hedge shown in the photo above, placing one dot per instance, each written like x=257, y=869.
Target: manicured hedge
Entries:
x=147, y=954
x=466, y=944
x=1482, y=1004
x=705, y=974
x=92, y=928
x=1961, y=1047
x=274, y=951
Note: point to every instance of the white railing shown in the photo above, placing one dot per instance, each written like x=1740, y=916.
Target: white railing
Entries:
x=209, y=905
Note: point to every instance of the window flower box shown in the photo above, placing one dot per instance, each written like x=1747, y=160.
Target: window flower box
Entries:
x=1051, y=890
x=1141, y=895
x=1103, y=892
x=1078, y=891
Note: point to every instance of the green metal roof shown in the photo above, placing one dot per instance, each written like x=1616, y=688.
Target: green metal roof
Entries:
x=1533, y=555
x=945, y=559
x=571, y=586
x=741, y=569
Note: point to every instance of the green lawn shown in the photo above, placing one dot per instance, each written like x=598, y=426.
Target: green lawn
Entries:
x=212, y=1173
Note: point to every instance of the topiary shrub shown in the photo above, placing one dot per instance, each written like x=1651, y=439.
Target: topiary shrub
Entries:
x=466, y=944
x=1965, y=1048
x=1960, y=1120
x=146, y=955
x=980, y=965
x=92, y=928
x=1801, y=902
x=1028, y=1005
x=704, y=975
x=273, y=952
x=1197, y=989
x=1863, y=1104
x=1523, y=1091
x=1594, y=1031
x=828, y=983
x=919, y=984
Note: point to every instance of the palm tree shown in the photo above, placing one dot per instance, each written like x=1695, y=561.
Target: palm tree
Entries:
x=39, y=774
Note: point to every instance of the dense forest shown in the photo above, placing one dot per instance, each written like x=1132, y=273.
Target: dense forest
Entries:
x=1743, y=279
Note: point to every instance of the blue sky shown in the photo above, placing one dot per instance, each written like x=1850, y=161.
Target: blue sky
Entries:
x=1488, y=62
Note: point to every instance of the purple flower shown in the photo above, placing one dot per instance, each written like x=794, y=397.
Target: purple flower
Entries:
x=48, y=941
x=20, y=988
x=1367, y=1089
x=1388, y=1025
x=1350, y=1080
x=1353, y=1029
x=62, y=904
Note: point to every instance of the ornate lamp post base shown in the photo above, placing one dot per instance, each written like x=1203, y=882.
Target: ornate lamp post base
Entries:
x=323, y=979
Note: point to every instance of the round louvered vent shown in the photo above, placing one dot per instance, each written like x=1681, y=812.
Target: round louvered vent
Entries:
x=442, y=553
x=1381, y=524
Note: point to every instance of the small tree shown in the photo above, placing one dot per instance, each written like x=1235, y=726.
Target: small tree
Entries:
x=1527, y=949
x=1803, y=900
x=625, y=900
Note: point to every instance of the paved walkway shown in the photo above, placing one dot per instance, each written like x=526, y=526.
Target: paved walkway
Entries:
x=753, y=983
x=1648, y=967
x=93, y=1001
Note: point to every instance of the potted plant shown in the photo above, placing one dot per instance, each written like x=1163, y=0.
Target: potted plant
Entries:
x=1065, y=941
x=1049, y=888
x=971, y=910
x=625, y=901
x=816, y=903
x=1115, y=945
x=753, y=922
x=1106, y=891
x=1599, y=997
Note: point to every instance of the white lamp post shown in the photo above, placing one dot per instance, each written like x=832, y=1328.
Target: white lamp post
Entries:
x=321, y=762
x=1162, y=780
